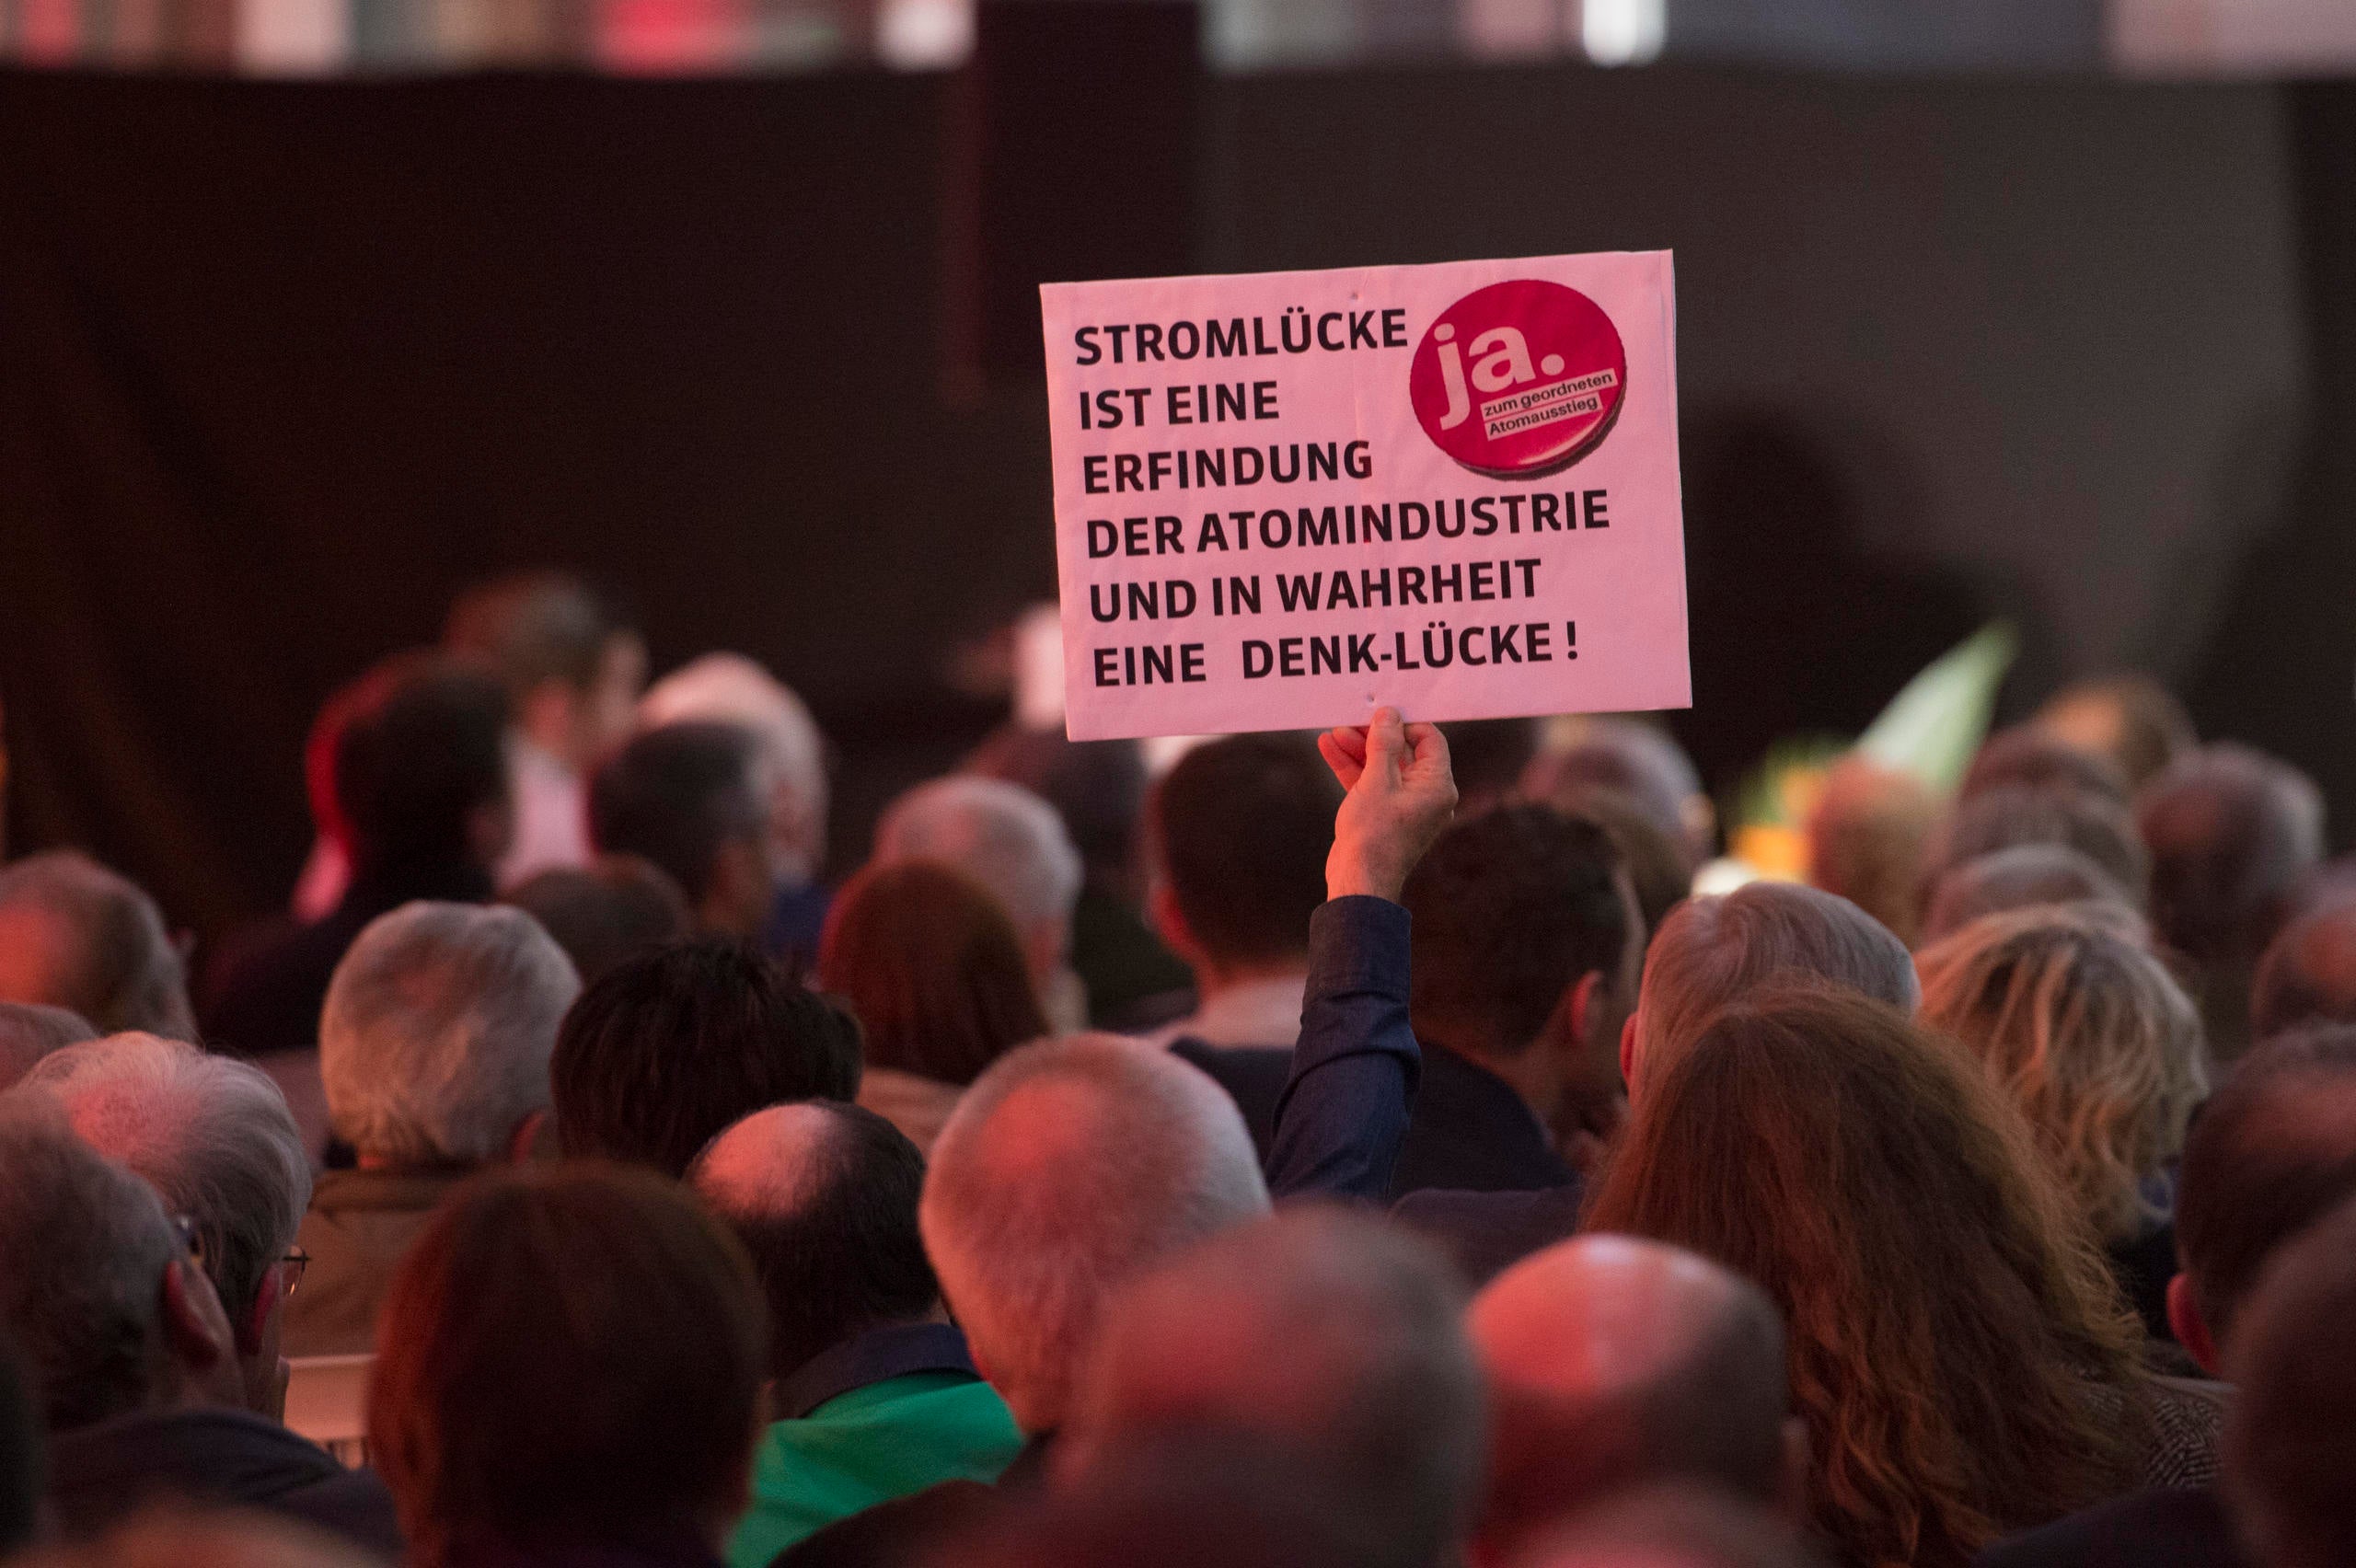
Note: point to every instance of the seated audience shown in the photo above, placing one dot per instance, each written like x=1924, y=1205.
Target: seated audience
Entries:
x=673, y=1046
x=133, y=1363
x=1866, y=838
x=2293, y=1434
x=1012, y=843
x=729, y=688
x=1324, y=1333
x=1098, y=788
x=434, y=1048
x=2010, y=814
x=29, y=1030
x=2233, y=835
x=421, y=792
x=600, y=913
x=213, y=1137
x=873, y=1394
x=2307, y=975
x=1527, y=942
x=2271, y=1152
x=73, y=935
x=2029, y=756
x=1237, y=835
x=1637, y=759
x=1956, y=1349
x=2131, y=720
x=1674, y=1528
x=568, y=1372
x=1657, y=867
x=572, y=670
x=694, y=798
x=1615, y=1363
x=2026, y=876
x=168, y=1535
x=929, y=964
x=2088, y=1034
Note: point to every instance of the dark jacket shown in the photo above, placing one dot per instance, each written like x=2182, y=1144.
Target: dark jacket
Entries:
x=1487, y=1233
x=1471, y=1132
x=99, y=1474
x=2150, y=1529
x=1254, y=1075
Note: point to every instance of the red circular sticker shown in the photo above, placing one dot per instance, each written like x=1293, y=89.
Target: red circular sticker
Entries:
x=1518, y=379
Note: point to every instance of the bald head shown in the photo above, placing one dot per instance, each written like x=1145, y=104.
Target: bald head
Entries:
x=1616, y=1362
x=1332, y=1334
x=824, y=1197
x=2308, y=974
x=1068, y=1167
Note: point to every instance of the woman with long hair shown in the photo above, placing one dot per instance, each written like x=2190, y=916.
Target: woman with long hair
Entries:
x=1958, y=1355
x=2083, y=1029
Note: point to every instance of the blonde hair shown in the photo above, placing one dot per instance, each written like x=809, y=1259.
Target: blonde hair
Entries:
x=2086, y=1030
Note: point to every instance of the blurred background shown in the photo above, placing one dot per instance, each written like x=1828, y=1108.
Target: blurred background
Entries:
x=312, y=311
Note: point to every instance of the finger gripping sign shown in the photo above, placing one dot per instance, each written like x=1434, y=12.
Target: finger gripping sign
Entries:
x=1283, y=498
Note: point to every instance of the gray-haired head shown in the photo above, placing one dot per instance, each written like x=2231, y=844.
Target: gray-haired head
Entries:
x=1004, y=837
x=1335, y=1335
x=436, y=1039
x=75, y=935
x=83, y=1247
x=211, y=1135
x=729, y=688
x=1068, y=1167
x=2020, y=876
x=29, y=1030
x=1711, y=951
x=1636, y=760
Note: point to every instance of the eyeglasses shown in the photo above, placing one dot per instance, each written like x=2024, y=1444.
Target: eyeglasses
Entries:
x=191, y=1239
x=295, y=1263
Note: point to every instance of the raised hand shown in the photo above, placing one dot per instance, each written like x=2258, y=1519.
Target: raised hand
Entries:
x=1401, y=795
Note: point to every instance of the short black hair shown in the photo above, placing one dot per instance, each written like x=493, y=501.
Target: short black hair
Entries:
x=669, y=1048
x=1509, y=909
x=412, y=768
x=847, y=1256
x=675, y=795
x=2272, y=1151
x=1243, y=827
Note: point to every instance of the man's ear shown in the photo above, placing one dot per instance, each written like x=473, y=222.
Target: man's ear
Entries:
x=194, y=1325
x=527, y=1135
x=1169, y=923
x=249, y=1324
x=2190, y=1328
x=1628, y=1052
x=736, y=895
x=1794, y=1500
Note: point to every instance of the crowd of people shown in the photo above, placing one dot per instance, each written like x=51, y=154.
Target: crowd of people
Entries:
x=1363, y=1149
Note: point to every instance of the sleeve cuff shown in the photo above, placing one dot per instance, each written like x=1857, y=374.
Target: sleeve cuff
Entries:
x=1358, y=944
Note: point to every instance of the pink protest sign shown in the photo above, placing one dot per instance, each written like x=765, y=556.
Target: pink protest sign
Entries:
x=1282, y=498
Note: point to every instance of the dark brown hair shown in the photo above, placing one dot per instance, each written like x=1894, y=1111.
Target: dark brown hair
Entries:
x=931, y=966
x=1957, y=1350
x=568, y=1356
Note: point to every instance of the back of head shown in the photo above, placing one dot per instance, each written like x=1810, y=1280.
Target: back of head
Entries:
x=418, y=773
x=2031, y=757
x=1956, y=1347
x=567, y=1357
x=1712, y=951
x=2273, y=1149
x=1000, y=834
x=677, y=796
x=29, y=1030
x=211, y=1134
x=931, y=966
x=2307, y=975
x=604, y=913
x=1487, y=757
x=1510, y=909
x=2232, y=832
x=1330, y=1334
x=2089, y=1035
x=2131, y=719
x=671, y=1046
x=75, y=935
x=2008, y=814
x=1241, y=828
x=2291, y=1436
x=1066, y=1168
x=1867, y=841
x=1659, y=872
x=1675, y=1527
x=729, y=688
x=533, y=627
x=439, y=1024
x=2022, y=876
x=1097, y=788
x=1615, y=1362
x=823, y=1198
x=83, y=1249
x=1640, y=762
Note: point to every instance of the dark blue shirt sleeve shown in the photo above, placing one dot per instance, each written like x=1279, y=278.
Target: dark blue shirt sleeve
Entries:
x=1343, y=1111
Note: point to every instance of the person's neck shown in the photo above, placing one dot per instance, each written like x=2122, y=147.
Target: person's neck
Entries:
x=1528, y=1073
x=1213, y=978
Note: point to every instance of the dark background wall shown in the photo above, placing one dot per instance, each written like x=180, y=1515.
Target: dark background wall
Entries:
x=282, y=366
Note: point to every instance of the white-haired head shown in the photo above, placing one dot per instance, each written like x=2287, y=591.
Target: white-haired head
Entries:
x=436, y=1039
x=211, y=1135
x=1004, y=837
x=729, y=688
x=1066, y=1168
